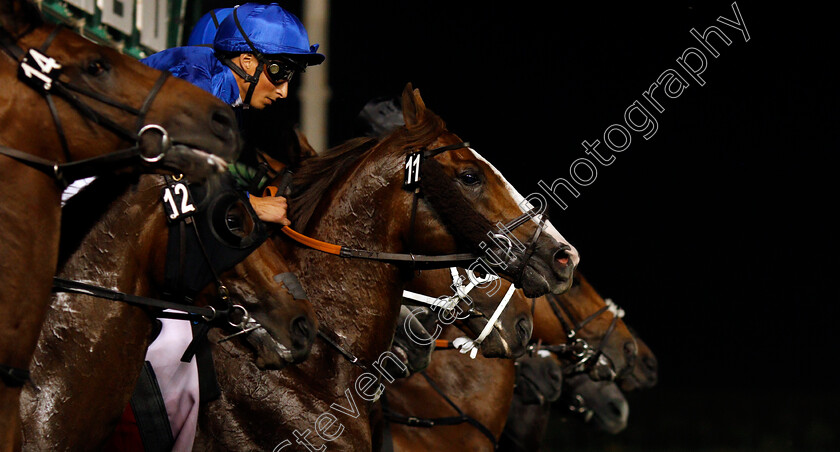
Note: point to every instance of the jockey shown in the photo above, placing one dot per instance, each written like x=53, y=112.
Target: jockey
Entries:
x=256, y=51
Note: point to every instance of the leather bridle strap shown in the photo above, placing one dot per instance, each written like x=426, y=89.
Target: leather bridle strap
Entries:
x=65, y=173
x=78, y=287
x=462, y=417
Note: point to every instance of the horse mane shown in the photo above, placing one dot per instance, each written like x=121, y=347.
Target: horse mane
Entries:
x=317, y=174
x=86, y=208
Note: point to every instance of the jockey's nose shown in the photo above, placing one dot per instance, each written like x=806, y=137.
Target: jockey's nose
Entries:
x=283, y=90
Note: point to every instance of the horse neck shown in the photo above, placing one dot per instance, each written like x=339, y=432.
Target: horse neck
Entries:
x=120, y=251
x=482, y=388
x=358, y=216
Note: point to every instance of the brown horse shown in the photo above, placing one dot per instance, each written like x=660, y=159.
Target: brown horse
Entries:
x=91, y=350
x=473, y=385
x=98, y=103
x=645, y=373
x=354, y=196
x=511, y=332
x=606, y=347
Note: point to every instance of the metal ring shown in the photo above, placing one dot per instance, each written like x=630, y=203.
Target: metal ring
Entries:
x=165, y=143
x=507, y=239
x=178, y=177
x=211, y=318
x=245, y=316
x=224, y=294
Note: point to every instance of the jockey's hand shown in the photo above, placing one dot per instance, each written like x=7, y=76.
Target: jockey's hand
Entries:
x=270, y=209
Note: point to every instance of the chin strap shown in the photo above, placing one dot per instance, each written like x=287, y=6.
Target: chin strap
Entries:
x=252, y=80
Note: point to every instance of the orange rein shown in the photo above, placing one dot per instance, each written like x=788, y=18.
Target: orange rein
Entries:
x=312, y=243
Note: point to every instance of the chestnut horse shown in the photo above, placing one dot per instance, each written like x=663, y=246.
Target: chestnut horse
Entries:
x=55, y=131
x=88, y=344
x=484, y=389
x=354, y=196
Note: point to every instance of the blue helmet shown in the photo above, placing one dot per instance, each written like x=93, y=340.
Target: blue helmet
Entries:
x=204, y=31
x=268, y=30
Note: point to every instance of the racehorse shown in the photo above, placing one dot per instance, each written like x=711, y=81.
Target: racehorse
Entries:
x=354, y=196
x=588, y=329
x=66, y=106
x=644, y=375
x=482, y=389
x=598, y=402
x=88, y=344
x=510, y=333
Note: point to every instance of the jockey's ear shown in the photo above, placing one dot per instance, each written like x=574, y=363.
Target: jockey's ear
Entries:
x=248, y=62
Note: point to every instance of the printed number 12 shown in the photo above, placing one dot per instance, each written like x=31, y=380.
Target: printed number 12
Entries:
x=185, y=204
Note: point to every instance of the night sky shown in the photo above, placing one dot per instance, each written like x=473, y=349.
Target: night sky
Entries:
x=717, y=235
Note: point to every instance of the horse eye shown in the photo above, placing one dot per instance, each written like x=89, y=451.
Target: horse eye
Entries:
x=97, y=67
x=469, y=178
x=234, y=222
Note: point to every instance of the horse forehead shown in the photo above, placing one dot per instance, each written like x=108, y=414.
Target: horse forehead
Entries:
x=520, y=200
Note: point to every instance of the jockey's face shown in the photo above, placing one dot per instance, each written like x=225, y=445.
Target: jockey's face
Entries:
x=266, y=92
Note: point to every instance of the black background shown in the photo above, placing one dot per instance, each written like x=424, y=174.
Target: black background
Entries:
x=717, y=235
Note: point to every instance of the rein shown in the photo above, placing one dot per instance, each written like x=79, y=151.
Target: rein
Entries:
x=461, y=418
x=41, y=73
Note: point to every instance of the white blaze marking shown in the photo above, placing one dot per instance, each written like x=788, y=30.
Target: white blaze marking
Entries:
x=522, y=202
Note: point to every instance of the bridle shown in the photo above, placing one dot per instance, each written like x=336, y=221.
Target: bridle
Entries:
x=412, y=182
x=419, y=261
x=41, y=73
x=180, y=298
x=583, y=357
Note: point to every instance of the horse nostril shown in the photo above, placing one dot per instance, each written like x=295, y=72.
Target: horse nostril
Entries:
x=561, y=258
x=650, y=363
x=301, y=331
x=615, y=408
x=523, y=329
x=222, y=122
x=630, y=349
x=556, y=374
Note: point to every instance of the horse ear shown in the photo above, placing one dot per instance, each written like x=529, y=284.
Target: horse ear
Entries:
x=413, y=107
x=306, y=149
x=17, y=15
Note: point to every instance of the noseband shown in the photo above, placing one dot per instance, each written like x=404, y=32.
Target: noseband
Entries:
x=582, y=356
x=41, y=73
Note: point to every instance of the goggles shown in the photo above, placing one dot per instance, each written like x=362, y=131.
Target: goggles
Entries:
x=279, y=71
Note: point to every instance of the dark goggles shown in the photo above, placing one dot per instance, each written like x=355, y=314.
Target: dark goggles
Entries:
x=279, y=71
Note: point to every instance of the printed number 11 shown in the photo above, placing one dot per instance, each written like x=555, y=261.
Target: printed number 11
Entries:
x=412, y=166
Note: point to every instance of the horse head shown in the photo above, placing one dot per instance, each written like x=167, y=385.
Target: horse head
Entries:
x=230, y=238
x=590, y=328
x=465, y=199
x=88, y=100
x=510, y=332
x=598, y=401
x=645, y=373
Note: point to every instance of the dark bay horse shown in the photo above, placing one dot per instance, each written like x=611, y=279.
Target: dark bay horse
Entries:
x=95, y=106
x=354, y=196
x=91, y=350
